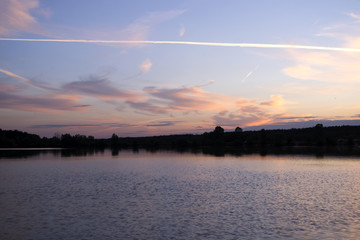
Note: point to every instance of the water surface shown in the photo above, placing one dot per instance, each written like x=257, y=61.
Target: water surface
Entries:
x=167, y=195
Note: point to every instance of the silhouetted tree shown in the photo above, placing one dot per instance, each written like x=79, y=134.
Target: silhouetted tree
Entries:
x=219, y=130
x=238, y=130
x=319, y=134
x=114, y=141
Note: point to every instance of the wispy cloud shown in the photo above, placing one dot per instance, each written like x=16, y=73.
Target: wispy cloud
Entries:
x=13, y=96
x=251, y=112
x=214, y=44
x=108, y=125
x=15, y=15
x=28, y=82
x=298, y=117
x=22, y=79
x=354, y=15
x=335, y=67
x=188, y=99
x=305, y=124
x=149, y=107
x=82, y=106
x=141, y=27
x=43, y=103
x=276, y=100
x=145, y=66
x=100, y=88
x=182, y=30
x=225, y=110
x=161, y=124
x=18, y=16
x=340, y=67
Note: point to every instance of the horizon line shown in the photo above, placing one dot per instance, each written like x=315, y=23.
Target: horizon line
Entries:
x=216, y=44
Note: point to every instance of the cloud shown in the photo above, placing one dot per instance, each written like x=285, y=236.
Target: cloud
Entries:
x=335, y=67
x=15, y=15
x=305, y=124
x=22, y=79
x=149, y=107
x=182, y=30
x=80, y=125
x=28, y=82
x=213, y=44
x=99, y=87
x=82, y=106
x=239, y=120
x=189, y=99
x=6, y=88
x=261, y=118
x=62, y=125
x=225, y=110
x=250, y=73
x=44, y=103
x=354, y=15
x=23, y=97
x=297, y=118
x=161, y=124
x=250, y=112
x=276, y=100
x=139, y=29
x=145, y=66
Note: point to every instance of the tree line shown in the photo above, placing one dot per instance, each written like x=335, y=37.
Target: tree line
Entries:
x=318, y=136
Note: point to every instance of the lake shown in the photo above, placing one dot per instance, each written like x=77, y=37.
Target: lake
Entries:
x=56, y=194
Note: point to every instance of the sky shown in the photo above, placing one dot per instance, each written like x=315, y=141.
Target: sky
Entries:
x=142, y=68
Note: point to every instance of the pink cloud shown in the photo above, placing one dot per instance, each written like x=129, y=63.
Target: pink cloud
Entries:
x=45, y=103
x=100, y=88
x=182, y=30
x=15, y=15
x=145, y=66
x=188, y=99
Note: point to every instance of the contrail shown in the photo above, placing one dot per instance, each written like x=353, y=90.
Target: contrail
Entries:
x=216, y=44
x=250, y=73
x=24, y=80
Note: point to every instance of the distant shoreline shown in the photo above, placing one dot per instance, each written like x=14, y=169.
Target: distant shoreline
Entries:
x=317, y=136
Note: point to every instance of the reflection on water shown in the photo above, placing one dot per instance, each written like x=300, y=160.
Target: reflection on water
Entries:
x=319, y=152
x=104, y=194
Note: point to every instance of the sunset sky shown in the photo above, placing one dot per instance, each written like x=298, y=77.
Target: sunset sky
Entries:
x=140, y=68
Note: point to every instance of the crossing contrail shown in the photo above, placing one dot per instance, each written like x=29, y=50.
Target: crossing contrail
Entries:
x=215, y=44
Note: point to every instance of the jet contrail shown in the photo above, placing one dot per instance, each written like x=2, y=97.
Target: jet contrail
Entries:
x=24, y=80
x=250, y=73
x=217, y=44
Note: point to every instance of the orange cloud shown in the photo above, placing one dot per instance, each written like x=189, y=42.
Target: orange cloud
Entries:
x=222, y=109
x=335, y=67
x=277, y=100
x=251, y=112
x=189, y=99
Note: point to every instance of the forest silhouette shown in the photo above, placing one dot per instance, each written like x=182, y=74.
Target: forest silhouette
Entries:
x=337, y=139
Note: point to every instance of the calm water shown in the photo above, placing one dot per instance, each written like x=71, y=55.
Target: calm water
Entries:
x=164, y=195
